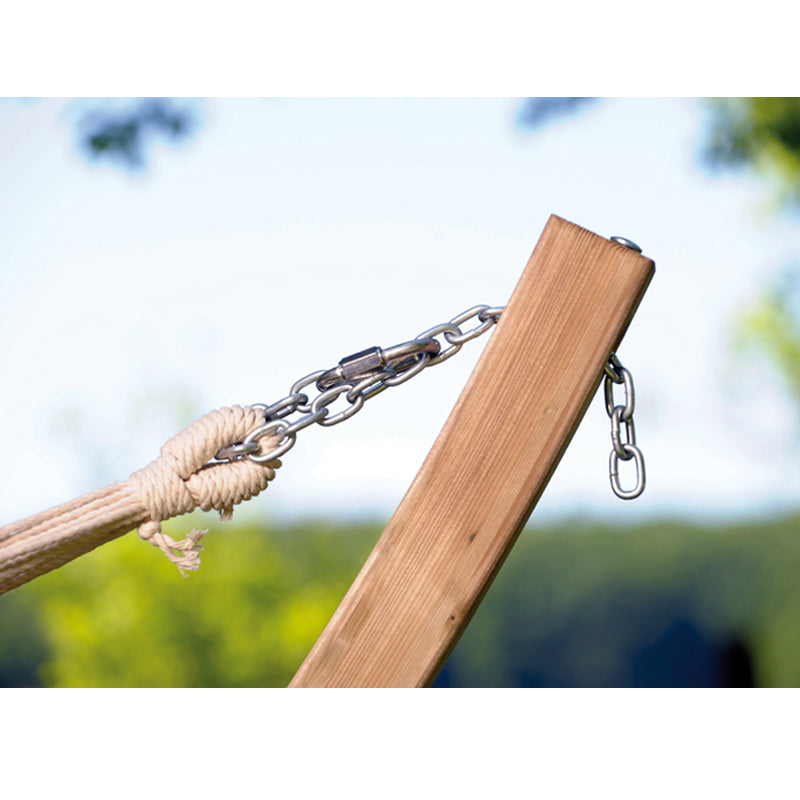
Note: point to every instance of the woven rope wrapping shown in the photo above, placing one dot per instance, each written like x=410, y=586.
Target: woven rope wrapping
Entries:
x=178, y=481
x=181, y=479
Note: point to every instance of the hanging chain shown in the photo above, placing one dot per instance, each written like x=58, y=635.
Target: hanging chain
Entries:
x=624, y=450
x=361, y=376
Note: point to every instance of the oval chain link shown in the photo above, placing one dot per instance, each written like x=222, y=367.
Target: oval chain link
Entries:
x=615, y=373
x=412, y=358
x=357, y=390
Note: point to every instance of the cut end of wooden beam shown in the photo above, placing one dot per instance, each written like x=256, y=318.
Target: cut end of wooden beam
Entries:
x=487, y=469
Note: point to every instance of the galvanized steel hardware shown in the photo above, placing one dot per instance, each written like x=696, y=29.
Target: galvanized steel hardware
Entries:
x=359, y=377
x=621, y=415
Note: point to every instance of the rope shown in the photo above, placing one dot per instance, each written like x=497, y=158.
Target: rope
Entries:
x=178, y=481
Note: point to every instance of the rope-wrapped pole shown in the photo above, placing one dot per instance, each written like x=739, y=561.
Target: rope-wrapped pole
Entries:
x=178, y=481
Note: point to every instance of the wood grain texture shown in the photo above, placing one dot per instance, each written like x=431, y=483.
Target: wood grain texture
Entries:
x=492, y=460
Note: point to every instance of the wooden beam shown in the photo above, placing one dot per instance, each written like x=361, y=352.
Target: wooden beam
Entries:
x=495, y=454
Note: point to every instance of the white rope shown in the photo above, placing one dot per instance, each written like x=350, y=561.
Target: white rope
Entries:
x=178, y=481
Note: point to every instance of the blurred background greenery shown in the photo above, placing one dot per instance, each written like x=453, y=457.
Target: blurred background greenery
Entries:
x=578, y=603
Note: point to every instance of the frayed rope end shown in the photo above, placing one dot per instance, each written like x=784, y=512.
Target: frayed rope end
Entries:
x=189, y=548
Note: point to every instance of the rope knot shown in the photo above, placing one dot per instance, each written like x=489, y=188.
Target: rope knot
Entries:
x=182, y=479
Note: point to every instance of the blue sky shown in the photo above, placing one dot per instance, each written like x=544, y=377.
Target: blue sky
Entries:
x=289, y=233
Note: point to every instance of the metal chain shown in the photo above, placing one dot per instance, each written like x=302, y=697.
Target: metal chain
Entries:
x=626, y=450
x=356, y=379
x=361, y=376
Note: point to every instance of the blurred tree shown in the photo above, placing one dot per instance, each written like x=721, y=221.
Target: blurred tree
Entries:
x=661, y=604
x=757, y=133
x=125, y=135
x=23, y=646
x=122, y=616
x=771, y=326
x=763, y=134
x=534, y=112
x=576, y=604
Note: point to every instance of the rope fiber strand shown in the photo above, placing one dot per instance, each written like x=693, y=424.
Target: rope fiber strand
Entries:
x=178, y=481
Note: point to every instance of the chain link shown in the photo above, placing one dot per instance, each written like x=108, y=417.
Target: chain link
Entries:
x=621, y=415
x=356, y=379
x=362, y=376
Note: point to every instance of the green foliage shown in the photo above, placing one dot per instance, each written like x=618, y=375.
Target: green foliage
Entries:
x=123, y=616
x=575, y=605
x=652, y=605
x=763, y=132
x=23, y=646
x=771, y=327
